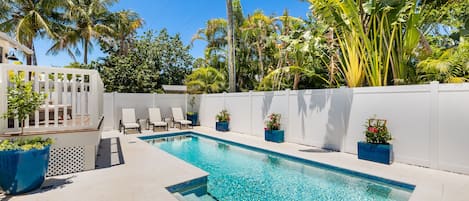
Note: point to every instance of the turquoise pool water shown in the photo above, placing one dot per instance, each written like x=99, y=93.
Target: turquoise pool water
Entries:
x=237, y=173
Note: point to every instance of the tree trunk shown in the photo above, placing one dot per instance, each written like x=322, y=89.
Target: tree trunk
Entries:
x=231, y=48
x=332, y=63
x=85, y=55
x=29, y=58
x=22, y=126
x=296, y=81
x=261, y=63
x=33, y=48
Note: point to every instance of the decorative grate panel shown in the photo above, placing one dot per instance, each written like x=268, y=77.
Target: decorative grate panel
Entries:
x=66, y=160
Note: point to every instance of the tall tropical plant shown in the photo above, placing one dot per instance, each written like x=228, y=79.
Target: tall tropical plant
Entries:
x=28, y=20
x=124, y=25
x=206, y=80
x=374, y=37
x=259, y=27
x=214, y=34
x=88, y=17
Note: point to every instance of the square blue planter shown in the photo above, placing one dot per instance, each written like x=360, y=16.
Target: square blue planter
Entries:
x=380, y=153
x=194, y=118
x=222, y=126
x=274, y=136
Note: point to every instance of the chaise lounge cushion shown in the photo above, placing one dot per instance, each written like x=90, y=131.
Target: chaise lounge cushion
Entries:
x=159, y=123
x=131, y=125
x=184, y=122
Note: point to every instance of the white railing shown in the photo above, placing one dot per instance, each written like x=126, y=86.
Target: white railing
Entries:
x=74, y=97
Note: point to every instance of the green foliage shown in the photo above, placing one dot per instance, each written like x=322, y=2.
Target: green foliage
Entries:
x=205, y=80
x=377, y=132
x=446, y=65
x=28, y=20
x=22, y=144
x=273, y=121
x=22, y=99
x=223, y=116
x=155, y=60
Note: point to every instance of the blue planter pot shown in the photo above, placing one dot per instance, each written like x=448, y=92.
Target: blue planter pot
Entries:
x=222, y=126
x=23, y=171
x=194, y=118
x=380, y=153
x=274, y=136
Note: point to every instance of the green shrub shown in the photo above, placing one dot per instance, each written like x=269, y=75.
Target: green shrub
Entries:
x=25, y=144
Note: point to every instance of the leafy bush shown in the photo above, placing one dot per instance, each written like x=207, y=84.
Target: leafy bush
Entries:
x=223, y=116
x=377, y=132
x=25, y=144
x=273, y=122
x=22, y=99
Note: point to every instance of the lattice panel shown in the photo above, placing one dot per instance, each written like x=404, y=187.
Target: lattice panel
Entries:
x=66, y=160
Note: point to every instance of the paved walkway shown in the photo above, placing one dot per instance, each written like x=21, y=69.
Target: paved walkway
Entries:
x=142, y=172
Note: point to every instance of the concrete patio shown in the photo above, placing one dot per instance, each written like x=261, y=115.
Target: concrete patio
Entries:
x=142, y=172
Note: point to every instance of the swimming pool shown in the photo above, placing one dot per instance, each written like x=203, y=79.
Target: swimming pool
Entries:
x=238, y=172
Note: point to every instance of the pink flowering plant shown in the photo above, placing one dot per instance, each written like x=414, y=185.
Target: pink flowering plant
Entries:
x=273, y=122
x=377, y=132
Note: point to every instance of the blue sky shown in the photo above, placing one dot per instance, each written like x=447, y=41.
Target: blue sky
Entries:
x=178, y=16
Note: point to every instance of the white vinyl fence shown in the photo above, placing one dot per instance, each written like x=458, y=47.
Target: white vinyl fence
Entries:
x=74, y=97
x=114, y=102
x=429, y=123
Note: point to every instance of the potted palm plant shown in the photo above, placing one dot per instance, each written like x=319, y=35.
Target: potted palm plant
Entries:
x=24, y=161
x=272, y=131
x=376, y=147
x=192, y=116
x=223, y=121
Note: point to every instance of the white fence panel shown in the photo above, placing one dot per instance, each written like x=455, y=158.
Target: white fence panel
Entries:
x=210, y=106
x=139, y=101
x=453, y=127
x=238, y=105
x=319, y=117
x=265, y=103
x=166, y=101
x=114, y=102
x=407, y=110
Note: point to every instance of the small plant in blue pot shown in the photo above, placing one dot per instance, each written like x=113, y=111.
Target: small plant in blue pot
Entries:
x=24, y=162
x=192, y=116
x=223, y=121
x=377, y=147
x=272, y=131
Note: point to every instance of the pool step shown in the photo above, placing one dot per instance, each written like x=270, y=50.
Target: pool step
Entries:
x=194, y=197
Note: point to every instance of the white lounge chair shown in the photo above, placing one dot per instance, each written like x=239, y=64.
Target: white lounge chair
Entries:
x=178, y=117
x=155, y=118
x=129, y=121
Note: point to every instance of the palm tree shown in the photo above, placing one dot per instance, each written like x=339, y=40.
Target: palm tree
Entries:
x=28, y=20
x=259, y=27
x=214, y=34
x=5, y=7
x=124, y=25
x=231, y=46
x=88, y=17
x=288, y=25
x=205, y=80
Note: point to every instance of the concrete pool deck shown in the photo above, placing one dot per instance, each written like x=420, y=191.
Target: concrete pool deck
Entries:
x=147, y=171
